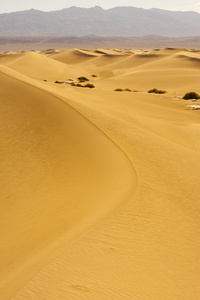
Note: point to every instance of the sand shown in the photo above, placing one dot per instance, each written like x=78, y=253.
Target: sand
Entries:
x=99, y=189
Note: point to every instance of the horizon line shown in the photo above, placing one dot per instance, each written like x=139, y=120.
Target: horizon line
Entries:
x=97, y=6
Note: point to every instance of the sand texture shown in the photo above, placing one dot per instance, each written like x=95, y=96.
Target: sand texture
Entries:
x=99, y=188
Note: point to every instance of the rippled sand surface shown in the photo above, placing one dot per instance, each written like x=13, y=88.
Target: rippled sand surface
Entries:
x=99, y=188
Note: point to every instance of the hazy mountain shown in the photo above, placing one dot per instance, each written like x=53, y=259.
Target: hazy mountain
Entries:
x=119, y=21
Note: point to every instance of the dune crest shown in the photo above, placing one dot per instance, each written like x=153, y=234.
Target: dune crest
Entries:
x=42, y=67
x=58, y=183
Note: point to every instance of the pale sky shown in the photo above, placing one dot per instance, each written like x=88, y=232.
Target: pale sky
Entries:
x=50, y=5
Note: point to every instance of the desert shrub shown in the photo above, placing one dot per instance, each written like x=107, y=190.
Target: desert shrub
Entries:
x=124, y=90
x=45, y=80
x=156, y=91
x=135, y=91
x=152, y=90
x=161, y=92
x=118, y=90
x=57, y=82
x=82, y=78
x=89, y=85
x=76, y=84
x=191, y=95
x=94, y=75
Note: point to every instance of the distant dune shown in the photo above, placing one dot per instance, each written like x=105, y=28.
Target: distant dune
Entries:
x=18, y=43
x=99, y=188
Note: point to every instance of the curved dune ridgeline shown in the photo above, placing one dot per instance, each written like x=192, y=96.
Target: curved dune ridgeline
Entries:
x=99, y=189
x=64, y=174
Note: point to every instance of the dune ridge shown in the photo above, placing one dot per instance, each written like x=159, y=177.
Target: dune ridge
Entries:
x=29, y=216
x=100, y=188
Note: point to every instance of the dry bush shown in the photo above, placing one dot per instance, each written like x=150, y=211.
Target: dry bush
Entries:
x=89, y=85
x=191, y=95
x=156, y=91
x=83, y=79
x=118, y=90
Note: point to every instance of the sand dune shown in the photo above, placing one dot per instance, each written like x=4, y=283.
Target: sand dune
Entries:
x=74, y=56
x=99, y=189
x=10, y=57
x=41, y=67
x=144, y=71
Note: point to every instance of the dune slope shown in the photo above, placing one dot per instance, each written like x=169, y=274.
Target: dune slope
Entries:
x=40, y=66
x=101, y=188
x=55, y=161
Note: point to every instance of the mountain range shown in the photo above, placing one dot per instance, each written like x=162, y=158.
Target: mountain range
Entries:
x=118, y=21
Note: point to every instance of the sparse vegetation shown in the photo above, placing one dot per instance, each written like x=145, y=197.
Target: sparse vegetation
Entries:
x=59, y=82
x=94, y=75
x=118, y=90
x=88, y=85
x=156, y=91
x=45, y=80
x=82, y=79
x=191, y=95
x=124, y=90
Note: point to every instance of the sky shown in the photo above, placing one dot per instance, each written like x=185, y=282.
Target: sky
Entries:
x=50, y=5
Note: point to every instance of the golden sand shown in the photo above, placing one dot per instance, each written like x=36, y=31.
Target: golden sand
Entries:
x=99, y=189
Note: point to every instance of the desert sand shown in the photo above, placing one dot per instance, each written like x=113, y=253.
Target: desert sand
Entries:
x=99, y=188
